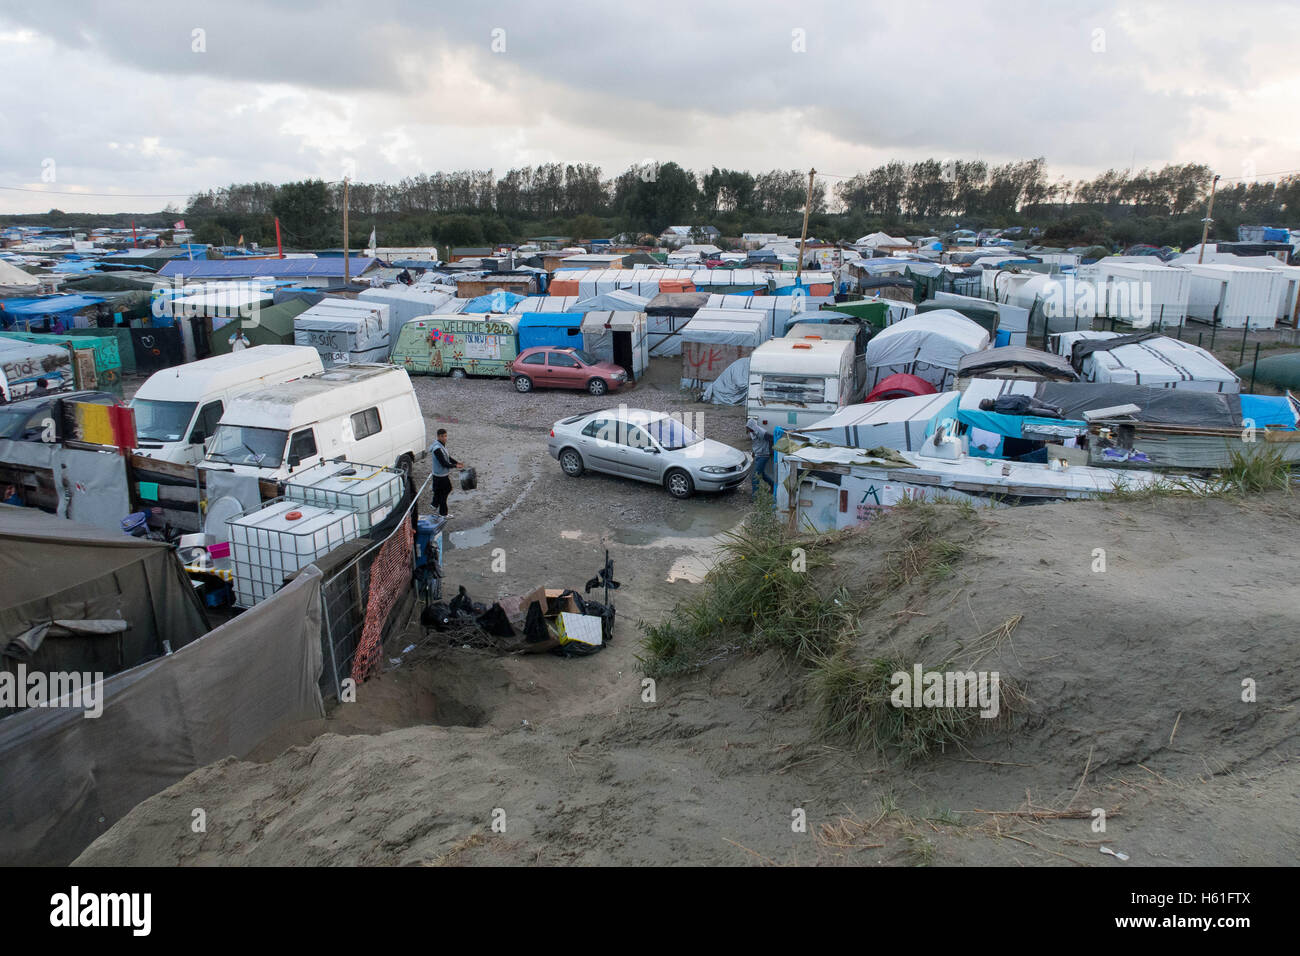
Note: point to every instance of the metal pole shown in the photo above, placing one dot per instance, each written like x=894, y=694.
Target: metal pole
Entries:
x=1244, y=329
x=347, y=265
x=1205, y=228
x=1254, y=367
x=803, y=236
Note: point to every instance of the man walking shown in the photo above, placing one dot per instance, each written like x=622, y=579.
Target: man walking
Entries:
x=441, y=463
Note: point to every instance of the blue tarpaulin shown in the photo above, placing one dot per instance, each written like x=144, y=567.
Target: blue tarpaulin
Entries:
x=1273, y=411
x=556, y=329
x=30, y=308
x=497, y=301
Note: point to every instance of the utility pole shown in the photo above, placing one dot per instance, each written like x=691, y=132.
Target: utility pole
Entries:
x=347, y=264
x=1205, y=229
x=803, y=236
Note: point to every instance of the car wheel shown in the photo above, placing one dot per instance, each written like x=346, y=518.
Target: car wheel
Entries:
x=597, y=386
x=523, y=383
x=458, y=373
x=679, y=484
x=571, y=462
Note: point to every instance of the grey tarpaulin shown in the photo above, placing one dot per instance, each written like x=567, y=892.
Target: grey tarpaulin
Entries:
x=732, y=386
x=68, y=778
x=61, y=571
x=92, y=486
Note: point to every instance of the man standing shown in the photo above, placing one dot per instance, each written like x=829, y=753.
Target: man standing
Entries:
x=441, y=463
x=761, y=445
x=239, y=341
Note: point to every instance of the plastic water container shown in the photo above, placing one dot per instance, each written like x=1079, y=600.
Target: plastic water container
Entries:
x=281, y=537
x=372, y=492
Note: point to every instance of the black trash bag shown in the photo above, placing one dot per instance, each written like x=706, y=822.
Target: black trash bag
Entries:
x=468, y=479
x=461, y=603
x=535, y=625
x=606, y=615
x=437, y=616
x=495, y=622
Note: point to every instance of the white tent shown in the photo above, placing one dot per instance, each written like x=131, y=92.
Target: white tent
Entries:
x=928, y=345
x=899, y=423
x=13, y=277
x=882, y=240
x=406, y=303
x=619, y=300
x=1158, y=362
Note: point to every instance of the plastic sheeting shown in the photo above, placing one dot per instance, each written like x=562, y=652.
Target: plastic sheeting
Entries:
x=731, y=387
x=1159, y=362
x=68, y=779
x=901, y=423
x=929, y=346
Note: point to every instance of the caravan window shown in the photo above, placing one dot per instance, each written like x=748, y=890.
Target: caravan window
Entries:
x=365, y=424
x=796, y=389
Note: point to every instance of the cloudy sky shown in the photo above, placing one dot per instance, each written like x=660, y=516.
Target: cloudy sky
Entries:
x=149, y=101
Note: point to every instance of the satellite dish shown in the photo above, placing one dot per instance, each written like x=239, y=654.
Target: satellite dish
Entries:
x=219, y=512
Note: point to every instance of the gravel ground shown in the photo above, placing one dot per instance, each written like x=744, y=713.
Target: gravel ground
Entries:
x=529, y=524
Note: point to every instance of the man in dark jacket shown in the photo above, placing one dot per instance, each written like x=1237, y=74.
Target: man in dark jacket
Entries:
x=440, y=464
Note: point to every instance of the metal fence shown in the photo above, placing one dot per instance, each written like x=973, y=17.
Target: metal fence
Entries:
x=367, y=592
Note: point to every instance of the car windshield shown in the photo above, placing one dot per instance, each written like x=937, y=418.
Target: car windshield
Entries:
x=586, y=358
x=162, y=421
x=672, y=434
x=245, y=445
x=13, y=421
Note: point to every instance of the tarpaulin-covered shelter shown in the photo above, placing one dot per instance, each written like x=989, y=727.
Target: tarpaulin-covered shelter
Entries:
x=274, y=326
x=619, y=300
x=23, y=312
x=80, y=598
x=929, y=346
x=1145, y=359
x=715, y=338
x=781, y=309
x=618, y=337
x=546, y=303
x=498, y=300
x=901, y=423
x=556, y=329
x=1016, y=361
x=406, y=303
x=345, y=331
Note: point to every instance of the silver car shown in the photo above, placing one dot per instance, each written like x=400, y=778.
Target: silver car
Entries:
x=648, y=446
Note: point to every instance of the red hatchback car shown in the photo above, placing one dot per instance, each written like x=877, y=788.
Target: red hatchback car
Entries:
x=547, y=367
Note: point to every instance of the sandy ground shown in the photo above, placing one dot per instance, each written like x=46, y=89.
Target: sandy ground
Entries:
x=1129, y=682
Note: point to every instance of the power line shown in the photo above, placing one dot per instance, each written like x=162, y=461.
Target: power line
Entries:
x=61, y=192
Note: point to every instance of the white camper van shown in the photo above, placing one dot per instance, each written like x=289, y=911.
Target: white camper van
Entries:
x=795, y=382
x=178, y=408
x=366, y=414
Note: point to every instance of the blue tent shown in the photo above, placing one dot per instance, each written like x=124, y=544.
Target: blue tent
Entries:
x=556, y=329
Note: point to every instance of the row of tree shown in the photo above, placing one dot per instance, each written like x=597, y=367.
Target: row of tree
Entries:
x=468, y=206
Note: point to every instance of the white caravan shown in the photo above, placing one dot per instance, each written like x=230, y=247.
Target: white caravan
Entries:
x=178, y=408
x=366, y=414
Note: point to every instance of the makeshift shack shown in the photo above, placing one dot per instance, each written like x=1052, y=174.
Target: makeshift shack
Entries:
x=618, y=337
x=345, y=331
x=714, y=339
x=554, y=329
x=1145, y=358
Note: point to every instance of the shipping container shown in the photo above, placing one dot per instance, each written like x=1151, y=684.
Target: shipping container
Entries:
x=1234, y=296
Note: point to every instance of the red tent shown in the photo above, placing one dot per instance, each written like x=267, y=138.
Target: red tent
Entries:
x=901, y=385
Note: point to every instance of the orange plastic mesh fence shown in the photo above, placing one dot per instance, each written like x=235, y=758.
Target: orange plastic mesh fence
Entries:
x=390, y=575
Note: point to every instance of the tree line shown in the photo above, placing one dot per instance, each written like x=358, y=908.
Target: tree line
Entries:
x=466, y=207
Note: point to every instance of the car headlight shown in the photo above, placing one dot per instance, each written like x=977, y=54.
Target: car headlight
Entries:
x=715, y=469
x=620, y=376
